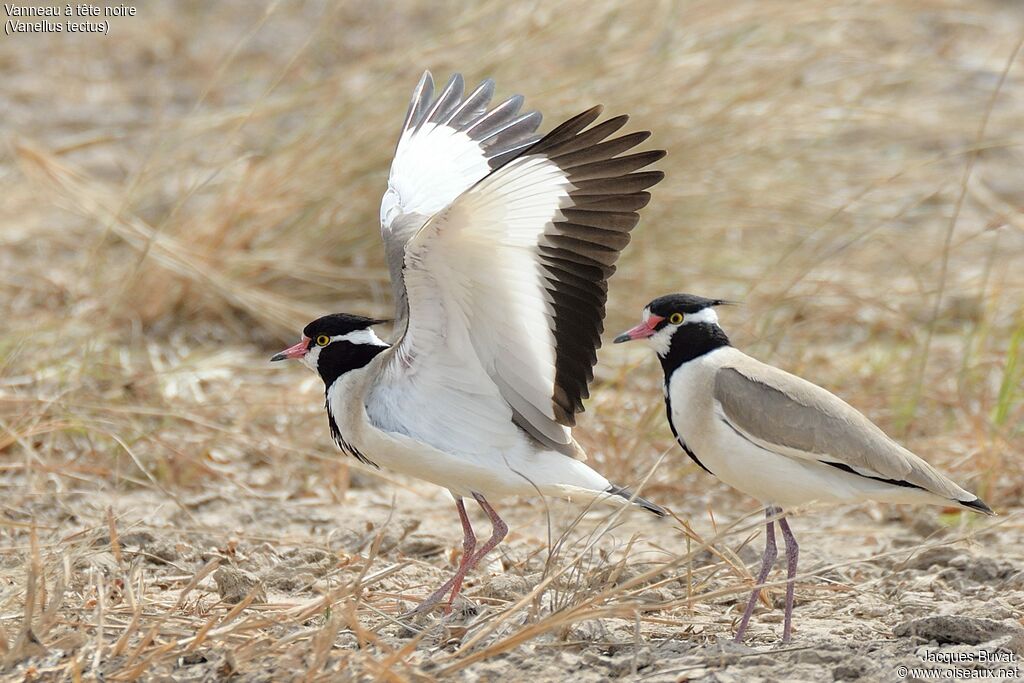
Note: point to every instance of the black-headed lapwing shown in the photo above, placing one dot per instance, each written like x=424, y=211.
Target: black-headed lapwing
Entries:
x=773, y=435
x=500, y=244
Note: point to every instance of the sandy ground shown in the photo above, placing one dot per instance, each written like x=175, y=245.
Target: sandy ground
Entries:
x=869, y=576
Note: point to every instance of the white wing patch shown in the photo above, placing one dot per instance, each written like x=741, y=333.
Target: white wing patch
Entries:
x=488, y=240
x=433, y=165
x=448, y=143
x=478, y=343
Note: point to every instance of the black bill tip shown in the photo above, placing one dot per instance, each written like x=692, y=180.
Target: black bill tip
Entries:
x=624, y=337
x=279, y=356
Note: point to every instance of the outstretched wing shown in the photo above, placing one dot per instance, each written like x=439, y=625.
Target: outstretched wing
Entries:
x=507, y=287
x=448, y=143
x=791, y=416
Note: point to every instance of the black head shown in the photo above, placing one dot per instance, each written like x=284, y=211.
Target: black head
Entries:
x=680, y=327
x=335, y=344
x=686, y=304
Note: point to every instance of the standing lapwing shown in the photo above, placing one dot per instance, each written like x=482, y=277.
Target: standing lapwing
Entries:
x=500, y=245
x=773, y=435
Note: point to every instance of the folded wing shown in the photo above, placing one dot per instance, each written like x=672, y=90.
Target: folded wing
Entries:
x=788, y=415
x=448, y=143
x=507, y=285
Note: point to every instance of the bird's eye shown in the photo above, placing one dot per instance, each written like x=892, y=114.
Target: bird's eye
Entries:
x=675, y=318
x=323, y=340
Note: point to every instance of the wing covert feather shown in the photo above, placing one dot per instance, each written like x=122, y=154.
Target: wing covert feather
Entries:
x=797, y=418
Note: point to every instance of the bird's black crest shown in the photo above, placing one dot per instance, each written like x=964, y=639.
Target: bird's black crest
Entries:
x=683, y=303
x=338, y=323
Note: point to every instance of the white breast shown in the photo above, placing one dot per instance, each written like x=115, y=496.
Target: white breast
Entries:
x=689, y=392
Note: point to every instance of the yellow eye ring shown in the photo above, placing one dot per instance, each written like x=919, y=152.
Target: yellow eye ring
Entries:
x=323, y=340
x=675, y=318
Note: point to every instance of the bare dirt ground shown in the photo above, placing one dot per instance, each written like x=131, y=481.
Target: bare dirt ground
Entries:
x=180, y=196
x=641, y=603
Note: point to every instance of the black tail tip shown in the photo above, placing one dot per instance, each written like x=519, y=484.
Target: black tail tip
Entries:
x=623, y=492
x=977, y=504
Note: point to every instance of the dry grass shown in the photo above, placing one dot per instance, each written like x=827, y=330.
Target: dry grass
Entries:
x=181, y=196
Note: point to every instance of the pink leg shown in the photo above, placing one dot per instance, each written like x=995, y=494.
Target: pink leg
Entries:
x=470, y=559
x=770, y=553
x=792, y=556
x=498, y=529
x=465, y=564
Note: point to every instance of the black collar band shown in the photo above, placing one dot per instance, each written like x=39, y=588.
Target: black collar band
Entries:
x=340, y=357
x=689, y=342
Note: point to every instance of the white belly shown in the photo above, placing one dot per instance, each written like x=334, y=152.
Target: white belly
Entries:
x=521, y=471
x=515, y=467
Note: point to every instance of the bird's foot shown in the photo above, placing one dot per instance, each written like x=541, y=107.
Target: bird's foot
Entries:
x=429, y=605
x=726, y=645
x=461, y=607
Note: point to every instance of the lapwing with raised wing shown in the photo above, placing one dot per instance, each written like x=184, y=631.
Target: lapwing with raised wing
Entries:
x=773, y=435
x=500, y=244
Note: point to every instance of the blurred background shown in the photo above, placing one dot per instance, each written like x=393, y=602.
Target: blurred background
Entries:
x=182, y=195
